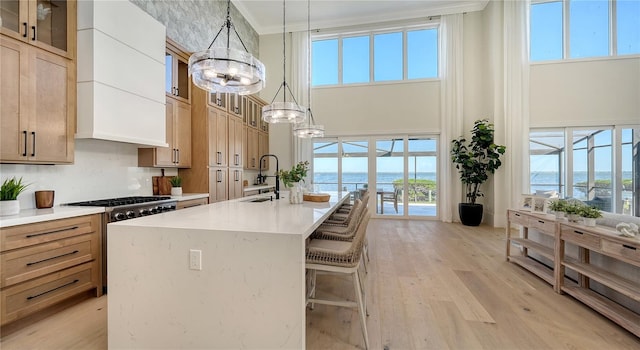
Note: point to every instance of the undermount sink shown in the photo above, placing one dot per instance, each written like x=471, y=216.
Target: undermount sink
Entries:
x=257, y=200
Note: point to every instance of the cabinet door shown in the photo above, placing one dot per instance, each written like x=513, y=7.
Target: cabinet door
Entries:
x=50, y=25
x=182, y=135
x=235, y=183
x=14, y=128
x=263, y=148
x=218, y=184
x=164, y=155
x=218, y=100
x=235, y=142
x=49, y=134
x=177, y=83
x=252, y=149
x=218, y=146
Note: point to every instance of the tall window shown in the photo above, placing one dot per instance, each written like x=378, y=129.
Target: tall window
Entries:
x=600, y=166
x=379, y=56
x=589, y=27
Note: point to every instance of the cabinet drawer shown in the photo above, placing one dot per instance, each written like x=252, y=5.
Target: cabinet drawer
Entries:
x=31, y=234
x=580, y=238
x=546, y=226
x=192, y=203
x=518, y=218
x=23, y=264
x=628, y=252
x=25, y=298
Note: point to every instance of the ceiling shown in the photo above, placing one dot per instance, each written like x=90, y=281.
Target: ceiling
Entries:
x=265, y=16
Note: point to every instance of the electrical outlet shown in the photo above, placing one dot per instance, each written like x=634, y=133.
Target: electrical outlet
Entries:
x=195, y=259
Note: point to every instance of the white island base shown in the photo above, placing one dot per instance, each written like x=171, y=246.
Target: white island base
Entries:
x=249, y=294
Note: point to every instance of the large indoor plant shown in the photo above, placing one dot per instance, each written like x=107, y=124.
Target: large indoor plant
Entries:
x=9, y=192
x=475, y=161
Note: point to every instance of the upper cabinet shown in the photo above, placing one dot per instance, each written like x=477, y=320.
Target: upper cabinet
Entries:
x=49, y=25
x=177, y=84
x=37, y=89
x=178, y=117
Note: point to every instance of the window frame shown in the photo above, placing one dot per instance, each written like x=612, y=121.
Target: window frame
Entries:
x=340, y=35
x=566, y=35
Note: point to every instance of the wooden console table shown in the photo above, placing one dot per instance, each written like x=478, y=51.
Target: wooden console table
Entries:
x=601, y=240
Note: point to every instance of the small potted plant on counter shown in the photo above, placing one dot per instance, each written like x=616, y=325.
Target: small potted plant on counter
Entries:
x=558, y=207
x=176, y=186
x=573, y=208
x=589, y=215
x=9, y=192
x=291, y=179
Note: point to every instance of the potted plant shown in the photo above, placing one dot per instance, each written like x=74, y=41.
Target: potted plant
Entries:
x=558, y=207
x=291, y=179
x=572, y=209
x=9, y=192
x=475, y=161
x=176, y=185
x=589, y=215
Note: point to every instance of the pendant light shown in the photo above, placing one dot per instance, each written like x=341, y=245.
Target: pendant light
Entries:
x=283, y=112
x=308, y=128
x=223, y=69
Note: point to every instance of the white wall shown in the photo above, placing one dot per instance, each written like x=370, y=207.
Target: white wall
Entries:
x=590, y=92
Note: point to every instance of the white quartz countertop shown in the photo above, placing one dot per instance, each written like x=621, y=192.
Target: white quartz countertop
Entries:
x=30, y=216
x=242, y=215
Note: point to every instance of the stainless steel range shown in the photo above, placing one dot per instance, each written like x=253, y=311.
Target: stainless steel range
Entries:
x=124, y=208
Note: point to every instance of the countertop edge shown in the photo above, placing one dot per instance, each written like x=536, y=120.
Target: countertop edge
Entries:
x=32, y=216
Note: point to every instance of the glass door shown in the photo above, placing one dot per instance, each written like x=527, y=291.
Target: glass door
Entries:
x=325, y=165
x=421, y=190
x=355, y=165
x=390, y=176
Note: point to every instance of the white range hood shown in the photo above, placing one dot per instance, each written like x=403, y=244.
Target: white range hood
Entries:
x=121, y=74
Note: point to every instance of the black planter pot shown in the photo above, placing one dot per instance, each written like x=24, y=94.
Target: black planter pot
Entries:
x=470, y=214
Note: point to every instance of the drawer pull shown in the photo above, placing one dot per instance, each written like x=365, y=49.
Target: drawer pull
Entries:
x=50, y=232
x=53, y=290
x=516, y=214
x=629, y=247
x=578, y=232
x=540, y=221
x=55, y=257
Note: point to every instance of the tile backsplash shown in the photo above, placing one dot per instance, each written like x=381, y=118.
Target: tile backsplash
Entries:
x=102, y=169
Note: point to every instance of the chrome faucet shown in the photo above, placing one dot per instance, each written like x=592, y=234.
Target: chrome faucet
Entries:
x=263, y=177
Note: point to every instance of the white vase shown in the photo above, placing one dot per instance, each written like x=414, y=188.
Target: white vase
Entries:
x=176, y=191
x=296, y=193
x=559, y=215
x=573, y=217
x=589, y=221
x=9, y=207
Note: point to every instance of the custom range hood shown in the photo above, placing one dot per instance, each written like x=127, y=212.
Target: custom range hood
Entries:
x=121, y=72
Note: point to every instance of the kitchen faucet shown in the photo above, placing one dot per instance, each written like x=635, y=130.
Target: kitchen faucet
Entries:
x=277, y=176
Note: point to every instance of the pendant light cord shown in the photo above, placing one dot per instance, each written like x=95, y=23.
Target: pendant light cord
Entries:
x=310, y=121
x=229, y=25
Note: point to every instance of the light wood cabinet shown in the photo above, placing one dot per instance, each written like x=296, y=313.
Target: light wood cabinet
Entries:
x=178, y=115
x=237, y=105
x=263, y=148
x=178, y=136
x=252, y=156
x=235, y=183
x=218, y=141
x=218, y=184
x=218, y=100
x=37, y=113
x=177, y=84
x=235, y=139
x=47, y=24
x=45, y=263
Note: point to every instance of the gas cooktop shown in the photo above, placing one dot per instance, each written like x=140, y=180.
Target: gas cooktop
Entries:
x=122, y=201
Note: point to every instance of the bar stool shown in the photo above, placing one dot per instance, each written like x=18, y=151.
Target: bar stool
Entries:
x=343, y=258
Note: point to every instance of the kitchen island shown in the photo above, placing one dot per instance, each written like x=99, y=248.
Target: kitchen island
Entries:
x=249, y=292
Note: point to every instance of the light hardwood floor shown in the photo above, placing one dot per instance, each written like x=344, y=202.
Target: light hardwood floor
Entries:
x=430, y=285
